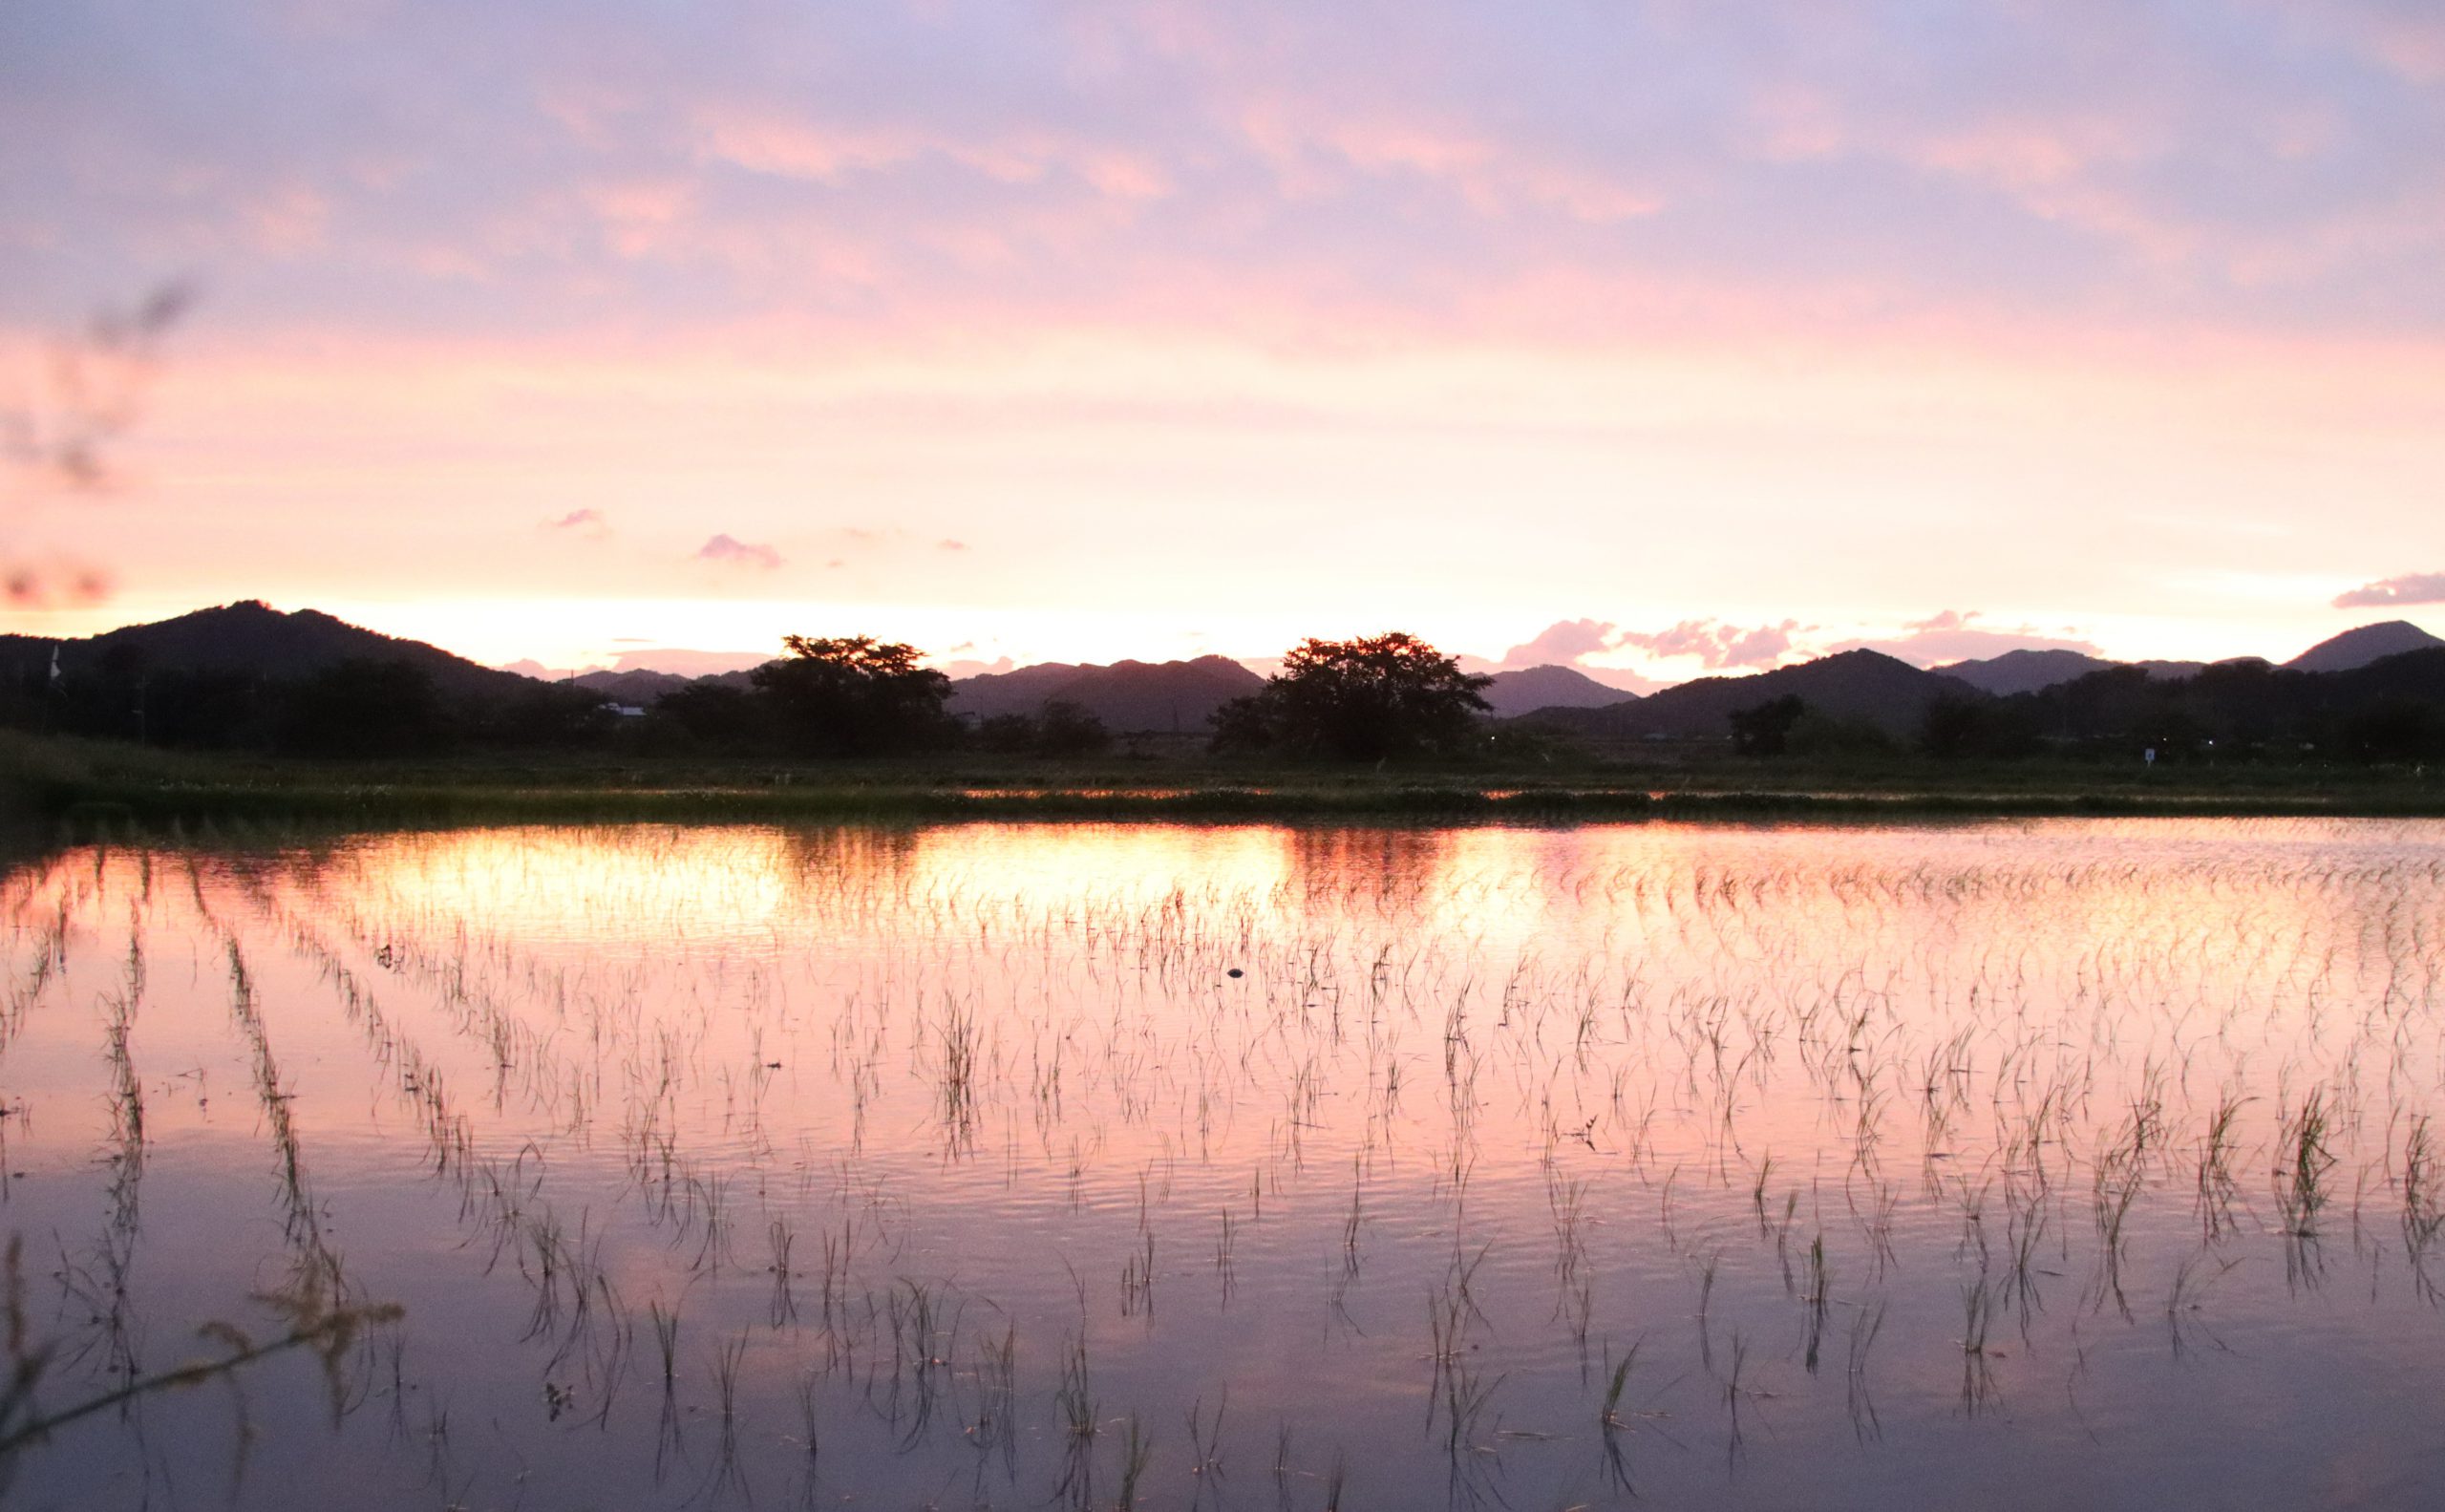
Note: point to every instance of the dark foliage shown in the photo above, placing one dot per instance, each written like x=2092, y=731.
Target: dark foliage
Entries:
x=1818, y=734
x=364, y=709
x=2397, y=729
x=1368, y=699
x=1958, y=727
x=2389, y=711
x=711, y=716
x=1766, y=729
x=855, y=696
x=1064, y=729
x=1060, y=729
x=1006, y=734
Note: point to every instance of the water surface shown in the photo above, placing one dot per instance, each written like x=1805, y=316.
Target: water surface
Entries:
x=2011, y=1165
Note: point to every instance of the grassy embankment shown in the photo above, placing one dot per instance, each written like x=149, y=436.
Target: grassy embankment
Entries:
x=47, y=779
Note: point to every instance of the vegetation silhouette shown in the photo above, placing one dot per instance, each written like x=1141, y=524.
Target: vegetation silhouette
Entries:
x=317, y=1319
x=855, y=696
x=246, y=679
x=1061, y=728
x=1370, y=700
x=1766, y=729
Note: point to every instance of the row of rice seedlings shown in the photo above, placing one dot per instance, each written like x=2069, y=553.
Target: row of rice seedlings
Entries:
x=1715, y=1073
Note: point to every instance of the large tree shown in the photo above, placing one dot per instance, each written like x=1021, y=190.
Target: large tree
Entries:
x=1357, y=700
x=855, y=696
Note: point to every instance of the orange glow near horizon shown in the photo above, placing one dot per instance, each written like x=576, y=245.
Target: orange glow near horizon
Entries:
x=1461, y=492
x=1148, y=333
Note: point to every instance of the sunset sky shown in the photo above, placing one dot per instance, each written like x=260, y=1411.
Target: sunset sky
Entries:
x=1667, y=335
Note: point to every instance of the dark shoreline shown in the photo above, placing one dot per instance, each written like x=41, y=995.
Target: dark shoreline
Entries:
x=87, y=784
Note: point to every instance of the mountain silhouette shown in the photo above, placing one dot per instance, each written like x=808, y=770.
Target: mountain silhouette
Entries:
x=1129, y=697
x=225, y=668
x=2358, y=647
x=638, y=688
x=1862, y=686
x=253, y=639
x=1549, y=687
x=2025, y=671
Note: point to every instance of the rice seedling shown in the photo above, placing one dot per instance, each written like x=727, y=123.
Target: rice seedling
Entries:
x=1859, y=1402
x=730, y=1477
x=2076, y=1039
x=1204, y=1440
x=784, y=1309
x=2301, y=1194
x=666, y=1338
x=1137, y=1452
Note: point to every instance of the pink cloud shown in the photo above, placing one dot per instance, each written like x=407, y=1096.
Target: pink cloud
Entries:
x=2415, y=588
x=1716, y=645
x=1563, y=643
x=1949, y=636
x=729, y=548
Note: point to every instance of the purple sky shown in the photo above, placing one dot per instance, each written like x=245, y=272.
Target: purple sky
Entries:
x=1683, y=336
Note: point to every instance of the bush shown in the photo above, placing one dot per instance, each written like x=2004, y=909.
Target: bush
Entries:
x=1359, y=700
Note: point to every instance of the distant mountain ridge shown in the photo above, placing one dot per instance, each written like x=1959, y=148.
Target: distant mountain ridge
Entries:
x=1129, y=697
x=251, y=638
x=1549, y=687
x=2029, y=671
x=2025, y=671
x=1863, y=686
x=639, y=689
x=2356, y=649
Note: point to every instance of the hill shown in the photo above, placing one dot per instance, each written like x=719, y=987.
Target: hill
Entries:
x=1524, y=691
x=639, y=687
x=2357, y=647
x=252, y=639
x=1862, y=686
x=1128, y=695
x=2034, y=671
x=2024, y=672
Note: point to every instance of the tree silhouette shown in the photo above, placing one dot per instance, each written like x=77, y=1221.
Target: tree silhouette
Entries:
x=365, y=708
x=1766, y=729
x=1358, y=700
x=855, y=696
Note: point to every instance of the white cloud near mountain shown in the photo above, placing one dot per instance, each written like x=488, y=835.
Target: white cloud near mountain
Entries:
x=1950, y=636
x=1715, y=644
x=2412, y=588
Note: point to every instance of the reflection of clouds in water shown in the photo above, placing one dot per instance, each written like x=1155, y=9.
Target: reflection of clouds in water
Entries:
x=1642, y=1070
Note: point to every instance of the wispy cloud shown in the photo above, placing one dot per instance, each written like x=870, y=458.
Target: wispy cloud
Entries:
x=1269, y=153
x=1571, y=644
x=587, y=523
x=1951, y=636
x=2412, y=588
x=1715, y=644
x=730, y=548
x=1563, y=643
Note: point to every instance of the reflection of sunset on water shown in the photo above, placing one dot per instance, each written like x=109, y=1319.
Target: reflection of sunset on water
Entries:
x=1260, y=1090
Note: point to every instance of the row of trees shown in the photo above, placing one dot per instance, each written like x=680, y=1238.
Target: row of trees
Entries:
x=351, y=709
x=853, y=697
x=2226, y=714
x=1385, y=696
x=1374, y=698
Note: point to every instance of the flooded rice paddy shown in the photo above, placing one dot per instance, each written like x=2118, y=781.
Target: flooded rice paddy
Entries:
x=2018, y=1165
